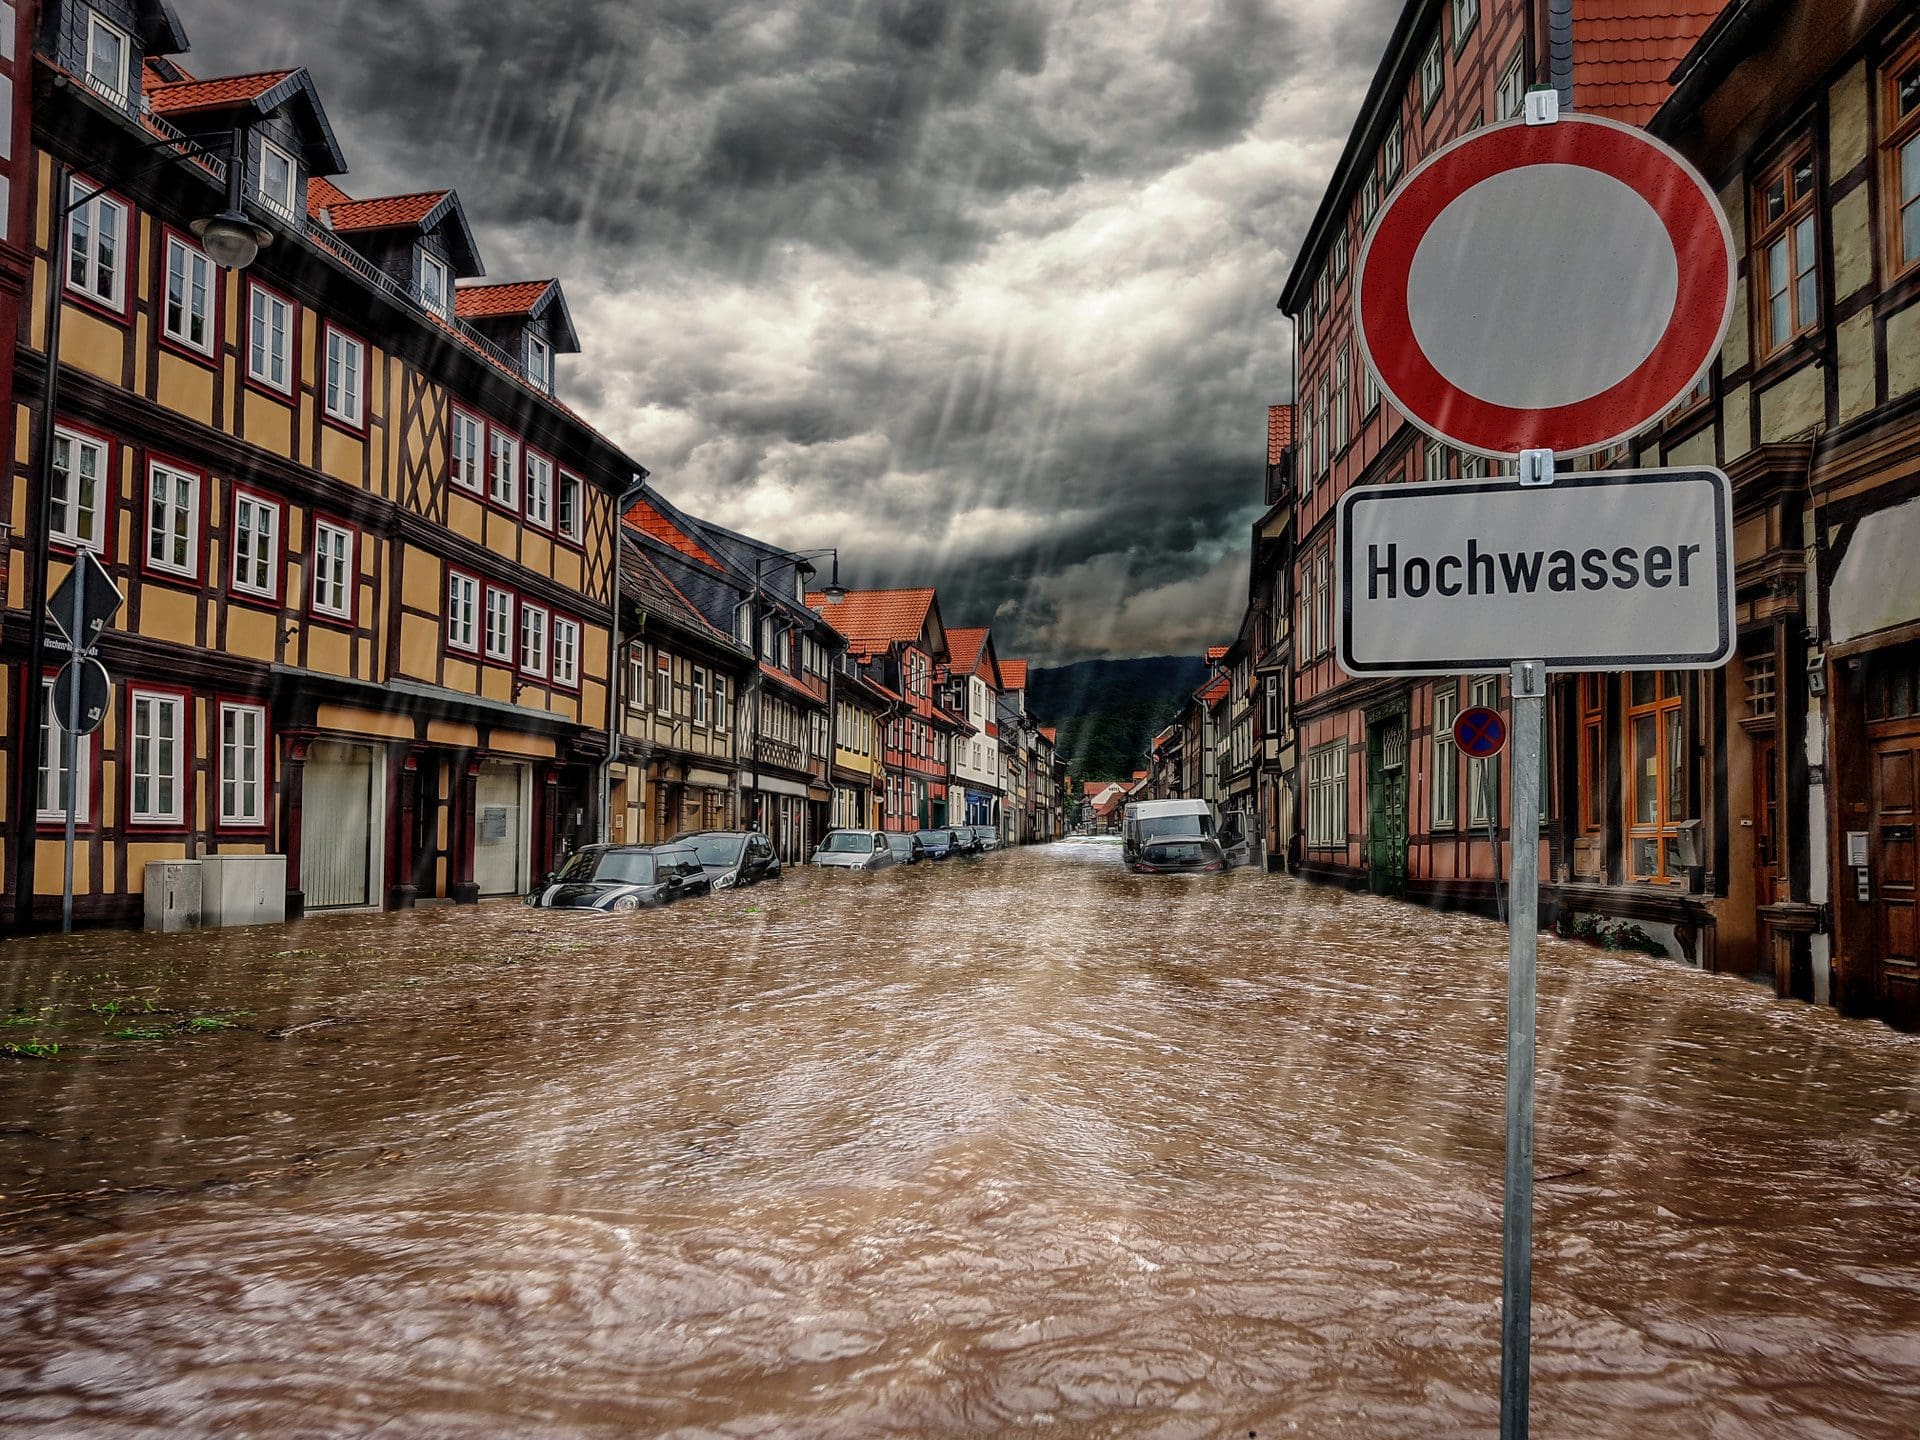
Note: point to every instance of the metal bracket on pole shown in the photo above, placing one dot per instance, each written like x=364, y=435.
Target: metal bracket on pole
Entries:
x=1536, y=466
x=1541, y=107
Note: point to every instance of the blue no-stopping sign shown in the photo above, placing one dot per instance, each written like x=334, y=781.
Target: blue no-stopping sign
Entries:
x=1480, y=733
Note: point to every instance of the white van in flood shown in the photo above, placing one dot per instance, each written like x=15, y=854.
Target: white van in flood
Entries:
x=1171, y=837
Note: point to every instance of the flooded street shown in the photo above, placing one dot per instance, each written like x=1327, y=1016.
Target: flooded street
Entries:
x=1020, y=1144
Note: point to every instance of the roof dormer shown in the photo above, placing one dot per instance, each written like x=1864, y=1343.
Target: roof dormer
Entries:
x=106, y=42
x=289, y=141
x=526, y=318
x=421, y=240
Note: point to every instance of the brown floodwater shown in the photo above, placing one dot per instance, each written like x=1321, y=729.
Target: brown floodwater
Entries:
x=1017, y=1145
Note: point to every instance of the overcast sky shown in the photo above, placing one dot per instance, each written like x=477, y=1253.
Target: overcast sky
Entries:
x=981, y=292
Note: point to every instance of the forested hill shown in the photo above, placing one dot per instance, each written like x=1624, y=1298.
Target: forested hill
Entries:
x=1107, y=710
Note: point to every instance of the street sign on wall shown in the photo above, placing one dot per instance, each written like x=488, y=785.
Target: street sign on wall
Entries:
x=1548, y=287
x=1612, y=570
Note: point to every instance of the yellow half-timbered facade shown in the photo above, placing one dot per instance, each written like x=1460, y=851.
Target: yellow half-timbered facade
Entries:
x=366, y=554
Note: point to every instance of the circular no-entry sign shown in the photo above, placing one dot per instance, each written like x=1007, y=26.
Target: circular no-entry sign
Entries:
x=1550, y=286
x=1480, y=733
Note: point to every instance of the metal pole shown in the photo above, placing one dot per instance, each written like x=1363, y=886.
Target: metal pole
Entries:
x=1516, y=1269
x=69, y=746
x=759, y=684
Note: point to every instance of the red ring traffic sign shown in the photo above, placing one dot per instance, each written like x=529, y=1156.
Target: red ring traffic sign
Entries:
x=1551, y=287
x=1479, y=732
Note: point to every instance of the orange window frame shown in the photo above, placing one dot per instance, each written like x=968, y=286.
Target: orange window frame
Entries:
x=1593, y=754
x=1661, y=714
x=1784, y=261
x=1900, y=160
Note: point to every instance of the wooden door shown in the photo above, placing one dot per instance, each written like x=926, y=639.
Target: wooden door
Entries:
x=1893, y=876
x=1387, y=797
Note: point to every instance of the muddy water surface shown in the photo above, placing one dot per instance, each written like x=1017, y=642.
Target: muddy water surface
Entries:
x=1005, y=1146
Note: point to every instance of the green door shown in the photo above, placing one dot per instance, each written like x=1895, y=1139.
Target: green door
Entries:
x=1387, y=805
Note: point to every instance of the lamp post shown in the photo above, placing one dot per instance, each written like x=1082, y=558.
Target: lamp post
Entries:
x=834, y=591
x=231, y=240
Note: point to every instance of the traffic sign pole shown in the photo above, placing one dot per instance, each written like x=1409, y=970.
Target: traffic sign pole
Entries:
x=69, y=751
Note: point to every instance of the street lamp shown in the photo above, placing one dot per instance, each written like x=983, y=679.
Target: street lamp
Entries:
x=232, y=240
x=832, y=591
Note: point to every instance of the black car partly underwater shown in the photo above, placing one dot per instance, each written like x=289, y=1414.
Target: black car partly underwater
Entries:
x=620, y=878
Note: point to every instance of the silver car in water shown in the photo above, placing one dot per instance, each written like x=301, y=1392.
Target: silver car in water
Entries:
x=854, y=850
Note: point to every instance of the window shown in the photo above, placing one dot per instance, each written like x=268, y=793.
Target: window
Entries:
x=1306, y=449
x=1433, y=74
x=243, y=790
x=719, y=703
x=1369, y=198
x=662, y=684
x=79, y=489
x=346, y=360
x=157, y=769
x=1483, y=776
x=1270, y=714
x=533, y=639
x=1322, y=613
x=1322, y=449
x=1510, y=96
x=1392, y=154
x=504, y=451
x=1327, y=796
x=1900, y=163
x=97, y=247
x=568, y=512
x=700, y=697
x=539, y=490
x=1786, y=282
x=1472, y=467
x=270, y=339
x=256, y=546
x=540, y=363
x=173, y=520
x=566, y=652
x=1433, y=461
x=1446, y=755
x=1369, y=391
x=278, y=177
x=1340, y=255
x=1656, y=774
x=463, y=611
x=1340, y=414
x=52, y=801
x=332, y=570
x=106, y=62
x=1306, y=325
x=186, y=315
x=1593, y=752
x=1466, y=14
x=436, y=284
x=464, y=452
x=499, y=624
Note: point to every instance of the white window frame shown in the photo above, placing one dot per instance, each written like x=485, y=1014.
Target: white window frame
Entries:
x=52, y=782
x=564, y=642
x=533, y=657
x=431, y=265
x=662, y=683
x=246, y=557
x=1433, y=73
x=114, y=87
x=540, y=362
x=1446, y=756
x=333, y=569
x=253, y=816
x=500, y=638
x=503, y=468
x=700, y=697
x=66, y=503
x=463, y=611
x=177, y=525
x=101, y=280
x=196, y=277
x=1510, y=96
x=539, y=489
x=282, y=202
x=144, y=761
x=1327, y=797
x=1466, y=14
x=570, y=507
x=720, y=718
x=351, y=408
x=467, y=451
x=262, y=307
x=1393, y=156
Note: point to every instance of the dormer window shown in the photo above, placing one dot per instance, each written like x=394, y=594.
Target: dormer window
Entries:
x=107, y=59
x=436, y=283
x=540, y=363
x=277, y=178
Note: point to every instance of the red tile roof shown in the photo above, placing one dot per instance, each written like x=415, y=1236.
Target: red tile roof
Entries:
x=1214, y=693
x=876, y=617
x=1215, y=652
x=516, y=297
x=1013, y=674
x=1050, y=732
x=1279, y=432
x=183, y=96
x=645, y=518
x=1624, y=50
x=1139, y=775
x=965, y=647
x=389, y=212
x=323, y=194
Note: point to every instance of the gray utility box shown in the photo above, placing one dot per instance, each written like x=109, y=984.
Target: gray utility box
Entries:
x=173, y=894
x=243, y=890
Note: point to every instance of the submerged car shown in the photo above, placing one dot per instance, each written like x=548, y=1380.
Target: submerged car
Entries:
x=1171, y=836
x=964, y=841
x=620, y=878
x=854, y=850
x=935, y=844
x=907, y=849
x=986, y=837
x=733, y=858
x=1178, y=857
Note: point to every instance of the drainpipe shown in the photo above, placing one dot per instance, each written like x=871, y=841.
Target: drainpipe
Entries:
x=615, y=661
x=1560, y=49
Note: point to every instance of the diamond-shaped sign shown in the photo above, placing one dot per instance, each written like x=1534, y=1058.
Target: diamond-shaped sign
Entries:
x=98, y=599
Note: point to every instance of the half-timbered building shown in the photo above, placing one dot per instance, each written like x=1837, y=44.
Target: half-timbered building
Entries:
x=366, y=554
x=968, y=684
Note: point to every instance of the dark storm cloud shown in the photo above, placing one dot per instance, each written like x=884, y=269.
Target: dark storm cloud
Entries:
x=982, y=293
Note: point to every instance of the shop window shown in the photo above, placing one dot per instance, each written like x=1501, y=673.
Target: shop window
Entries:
x=1785, y=253
x=1656, y=773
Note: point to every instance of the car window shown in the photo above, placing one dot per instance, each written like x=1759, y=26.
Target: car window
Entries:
x=717, y=849
x=879, y=843
x=844, y=842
